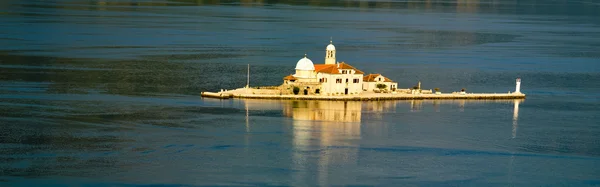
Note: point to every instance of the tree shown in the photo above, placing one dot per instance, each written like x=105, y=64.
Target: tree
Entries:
x=381, y=86
x=437, y=89
x=296, y=90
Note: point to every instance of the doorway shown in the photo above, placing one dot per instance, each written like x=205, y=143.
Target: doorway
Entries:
x=305, y=92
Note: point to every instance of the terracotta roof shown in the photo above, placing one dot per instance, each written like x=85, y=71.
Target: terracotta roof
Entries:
x=330, y=70
x=289, y=77
x=371, y=78
x=334, y=68
x=326, y=68
x=343, y=65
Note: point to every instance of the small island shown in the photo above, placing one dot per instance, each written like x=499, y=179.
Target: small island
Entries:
x=340, y=81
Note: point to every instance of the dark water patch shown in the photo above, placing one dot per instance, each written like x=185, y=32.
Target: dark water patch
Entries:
x=119, y=47
x=266, y=113
x=562, y=105
x=52, y=166
x=432, y=39
x=136, y=76
x=192, y=56
x=220, y=147
x=15, y=39
x=564, y=80
x=47, y=67
x=141, y=149
x=506, y=7
x=65, y=140
x=455, y=152
x=159, y=116
x=397, y=178
x=592, y=182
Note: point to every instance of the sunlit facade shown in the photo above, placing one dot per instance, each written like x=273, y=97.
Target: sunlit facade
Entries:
x=330, y=78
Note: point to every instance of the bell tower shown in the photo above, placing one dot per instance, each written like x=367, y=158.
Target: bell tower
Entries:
x=330, y=53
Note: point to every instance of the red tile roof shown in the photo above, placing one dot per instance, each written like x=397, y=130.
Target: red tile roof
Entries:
x=290, y=77
x=326, y=68
x=371, y=78
x=343, y=65
x=334, y=68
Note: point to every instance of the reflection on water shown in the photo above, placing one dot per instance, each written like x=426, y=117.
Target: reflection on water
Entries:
x=515, y=118
x=338, y=111
x=324, y=125
x=348, y=112
x=326, y=134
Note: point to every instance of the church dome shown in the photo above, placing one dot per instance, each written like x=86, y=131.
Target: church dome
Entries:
x=330, y=47
x=305, y=64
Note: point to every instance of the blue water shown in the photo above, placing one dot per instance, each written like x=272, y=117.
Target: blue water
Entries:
x=106, y=93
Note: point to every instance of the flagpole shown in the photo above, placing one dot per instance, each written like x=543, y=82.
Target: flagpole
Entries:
x=248, y=80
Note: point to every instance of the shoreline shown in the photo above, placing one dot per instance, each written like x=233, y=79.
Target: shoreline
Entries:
x=367, y=97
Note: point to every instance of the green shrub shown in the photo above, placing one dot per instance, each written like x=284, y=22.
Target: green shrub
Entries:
x=381, y=86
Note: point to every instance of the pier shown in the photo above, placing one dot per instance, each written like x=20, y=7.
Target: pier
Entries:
x=366, y=96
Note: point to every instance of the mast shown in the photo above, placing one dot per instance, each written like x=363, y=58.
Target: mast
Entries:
x=248, y=80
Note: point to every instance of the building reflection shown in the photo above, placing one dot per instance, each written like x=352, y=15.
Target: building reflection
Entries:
x=339, y=111
x=376, y=109
x=467, y=6
x=326, y=135
x=324, y=138
x=345, y=116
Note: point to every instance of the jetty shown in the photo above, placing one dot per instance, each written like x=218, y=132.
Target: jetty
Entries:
x=253, y=93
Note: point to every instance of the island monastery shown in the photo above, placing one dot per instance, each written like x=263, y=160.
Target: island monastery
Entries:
x=340, y=81
x=333, y=78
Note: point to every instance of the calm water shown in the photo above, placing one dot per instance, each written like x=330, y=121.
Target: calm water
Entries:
x=107, y=93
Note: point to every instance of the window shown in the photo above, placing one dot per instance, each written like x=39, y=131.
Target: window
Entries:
x=325, y=80
x=346, y=80
x=356, y=81
x=321, y=79
x=343, y=71
x=338, y=80
x=379, y=78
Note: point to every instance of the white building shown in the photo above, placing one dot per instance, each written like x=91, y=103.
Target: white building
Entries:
x=331, y=78
x=371, y=81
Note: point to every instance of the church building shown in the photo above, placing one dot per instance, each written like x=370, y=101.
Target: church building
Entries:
x=330, y=78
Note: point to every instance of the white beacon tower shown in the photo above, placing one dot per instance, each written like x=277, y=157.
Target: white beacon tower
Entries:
x=518, y=86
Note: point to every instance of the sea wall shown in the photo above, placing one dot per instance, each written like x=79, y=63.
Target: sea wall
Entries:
x=372, y=96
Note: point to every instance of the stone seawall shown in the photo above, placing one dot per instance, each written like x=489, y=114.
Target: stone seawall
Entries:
x=369, y=96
